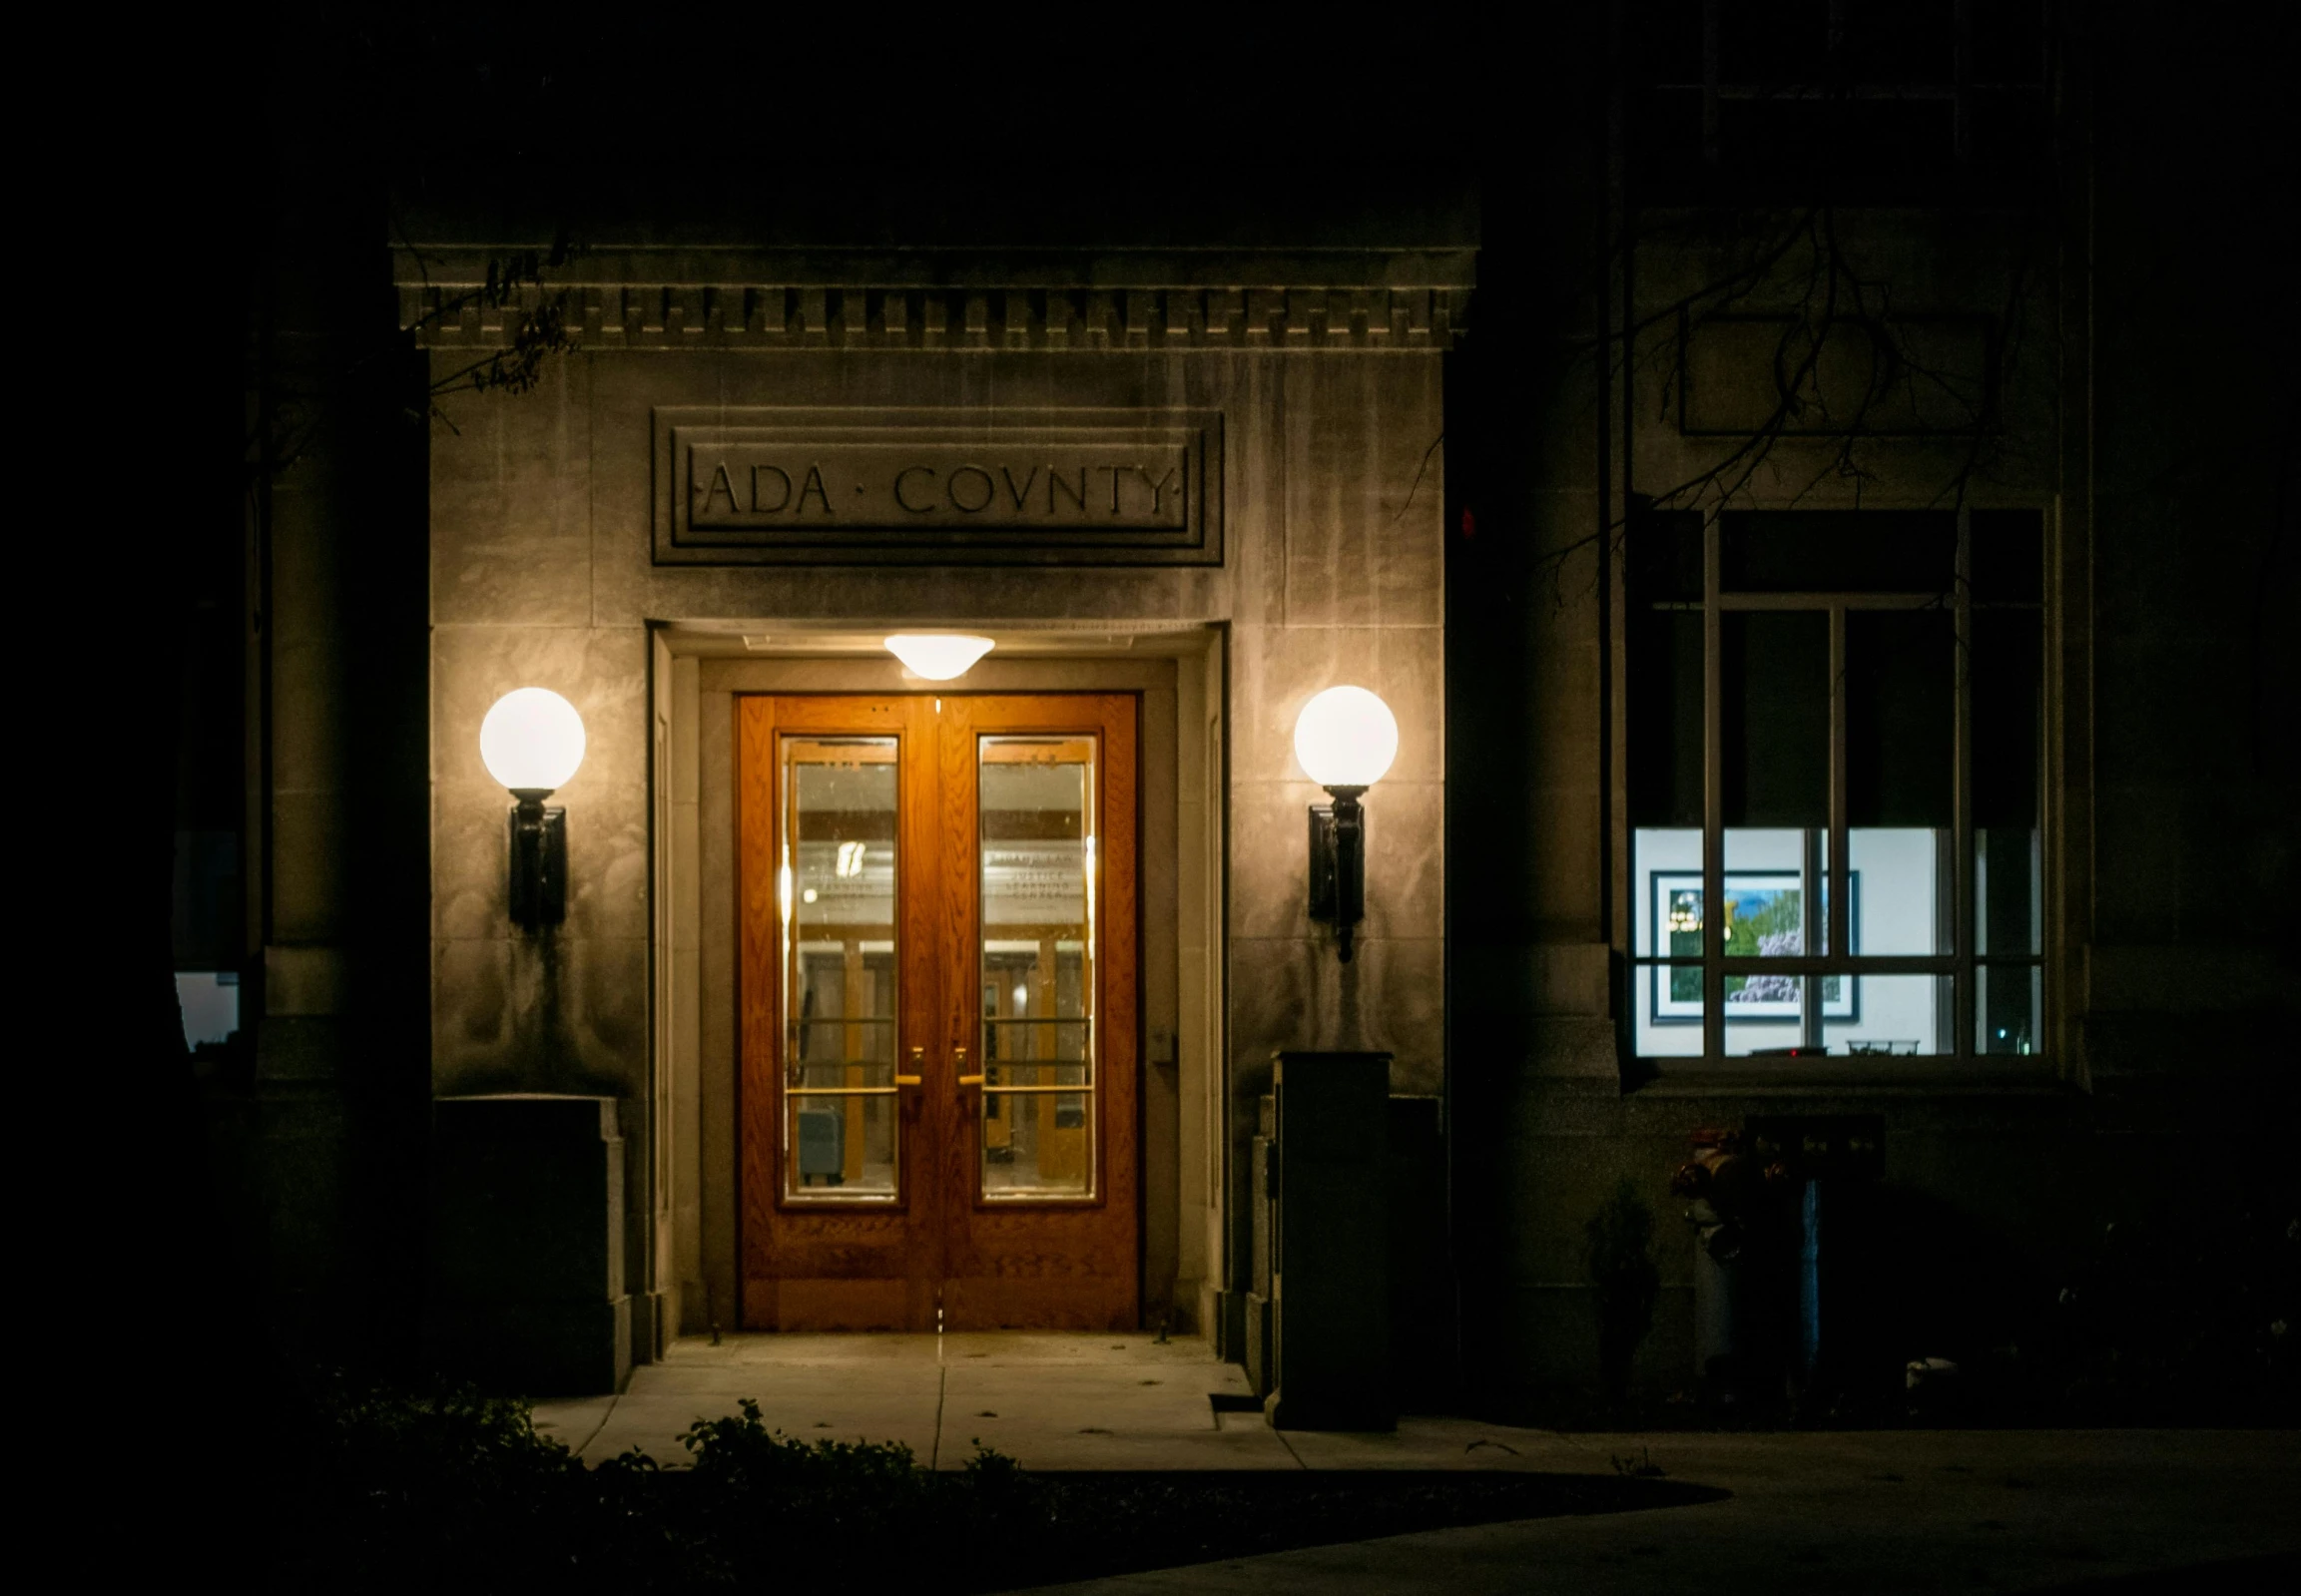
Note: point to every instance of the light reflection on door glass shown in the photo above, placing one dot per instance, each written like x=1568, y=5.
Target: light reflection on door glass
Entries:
x=1036, y=807
x=838, y=889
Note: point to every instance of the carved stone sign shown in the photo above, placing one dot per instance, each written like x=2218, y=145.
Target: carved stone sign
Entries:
x=937, y=487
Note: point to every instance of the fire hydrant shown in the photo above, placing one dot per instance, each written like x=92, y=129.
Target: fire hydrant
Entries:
x=1720, y=1182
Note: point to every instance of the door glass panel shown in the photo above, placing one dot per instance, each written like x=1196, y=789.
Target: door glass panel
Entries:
x=837, y=884
x=1037, y=809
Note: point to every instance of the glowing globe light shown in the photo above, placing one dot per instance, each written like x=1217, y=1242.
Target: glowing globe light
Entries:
x=1345, y=737
x=532, y=739
x=937, y=656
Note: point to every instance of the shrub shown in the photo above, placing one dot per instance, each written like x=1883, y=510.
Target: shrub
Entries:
x=446, y=1490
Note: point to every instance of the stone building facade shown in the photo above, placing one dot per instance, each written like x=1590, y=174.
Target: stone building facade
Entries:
x=1556, y=476
x=1321, y=402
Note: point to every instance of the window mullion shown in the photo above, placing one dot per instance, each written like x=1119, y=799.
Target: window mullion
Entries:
x=1810, y=931
x=1962, y=984
x=1713, y=794
x=1841, y=889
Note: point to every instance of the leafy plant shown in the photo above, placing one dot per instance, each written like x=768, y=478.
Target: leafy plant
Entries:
x=366, y=1487
x=443, y=1489
x=400, y=1484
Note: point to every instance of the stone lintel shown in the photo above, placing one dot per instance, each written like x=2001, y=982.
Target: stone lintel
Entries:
x=1411, y=302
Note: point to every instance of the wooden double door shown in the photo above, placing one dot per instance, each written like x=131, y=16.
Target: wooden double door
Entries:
x=938, y=1012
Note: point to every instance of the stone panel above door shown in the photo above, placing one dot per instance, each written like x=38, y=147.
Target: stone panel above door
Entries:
x=950, y=485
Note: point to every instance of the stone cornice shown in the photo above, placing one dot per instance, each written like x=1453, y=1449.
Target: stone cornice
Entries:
x=1300, y=300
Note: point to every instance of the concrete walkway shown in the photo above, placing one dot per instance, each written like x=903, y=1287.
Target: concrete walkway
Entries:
x=1811, y=1511
x=1050, y=1400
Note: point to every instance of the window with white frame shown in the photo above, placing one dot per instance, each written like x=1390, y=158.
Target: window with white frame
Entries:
x=1834, y=783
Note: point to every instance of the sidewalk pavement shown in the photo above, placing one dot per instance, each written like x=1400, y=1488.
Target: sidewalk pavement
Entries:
x=1858, y=1512
x=1051, y=1400
x=1885, y=1511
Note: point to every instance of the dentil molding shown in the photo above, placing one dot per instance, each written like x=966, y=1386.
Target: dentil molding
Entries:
x=1359, y=301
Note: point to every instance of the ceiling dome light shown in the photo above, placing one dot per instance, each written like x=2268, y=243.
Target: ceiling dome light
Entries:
x=937, y=656
x=1345, y=737
x=532, y=740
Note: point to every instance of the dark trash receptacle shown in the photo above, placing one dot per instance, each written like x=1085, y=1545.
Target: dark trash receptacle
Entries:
x=528, y=1294
x=1330, y=1353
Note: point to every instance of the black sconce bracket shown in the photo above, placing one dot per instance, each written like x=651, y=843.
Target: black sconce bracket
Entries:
x=538, y=862
x=1338, y=864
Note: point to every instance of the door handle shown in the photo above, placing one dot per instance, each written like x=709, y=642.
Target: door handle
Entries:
x=958, y=1065
x=918, y=1069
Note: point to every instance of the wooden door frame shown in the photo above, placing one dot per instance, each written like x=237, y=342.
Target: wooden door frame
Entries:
x=690, y=1182
x=942, y=1251
x=827, y=1291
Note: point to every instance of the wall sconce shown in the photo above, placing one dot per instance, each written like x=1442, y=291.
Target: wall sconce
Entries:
x=532, y=740
x=937, y=656
x=1345, y=737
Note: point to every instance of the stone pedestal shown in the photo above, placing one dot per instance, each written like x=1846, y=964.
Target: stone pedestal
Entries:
x=527, y=1279
x=1329, y=1266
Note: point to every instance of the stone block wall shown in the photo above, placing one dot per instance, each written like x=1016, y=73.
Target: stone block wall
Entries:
x=542, y=574
x=2156, y=447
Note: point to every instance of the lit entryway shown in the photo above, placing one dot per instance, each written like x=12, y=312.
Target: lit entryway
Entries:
x=939, y=999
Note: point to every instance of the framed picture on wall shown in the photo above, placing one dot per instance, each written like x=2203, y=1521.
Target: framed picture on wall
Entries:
x=1765, y=917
